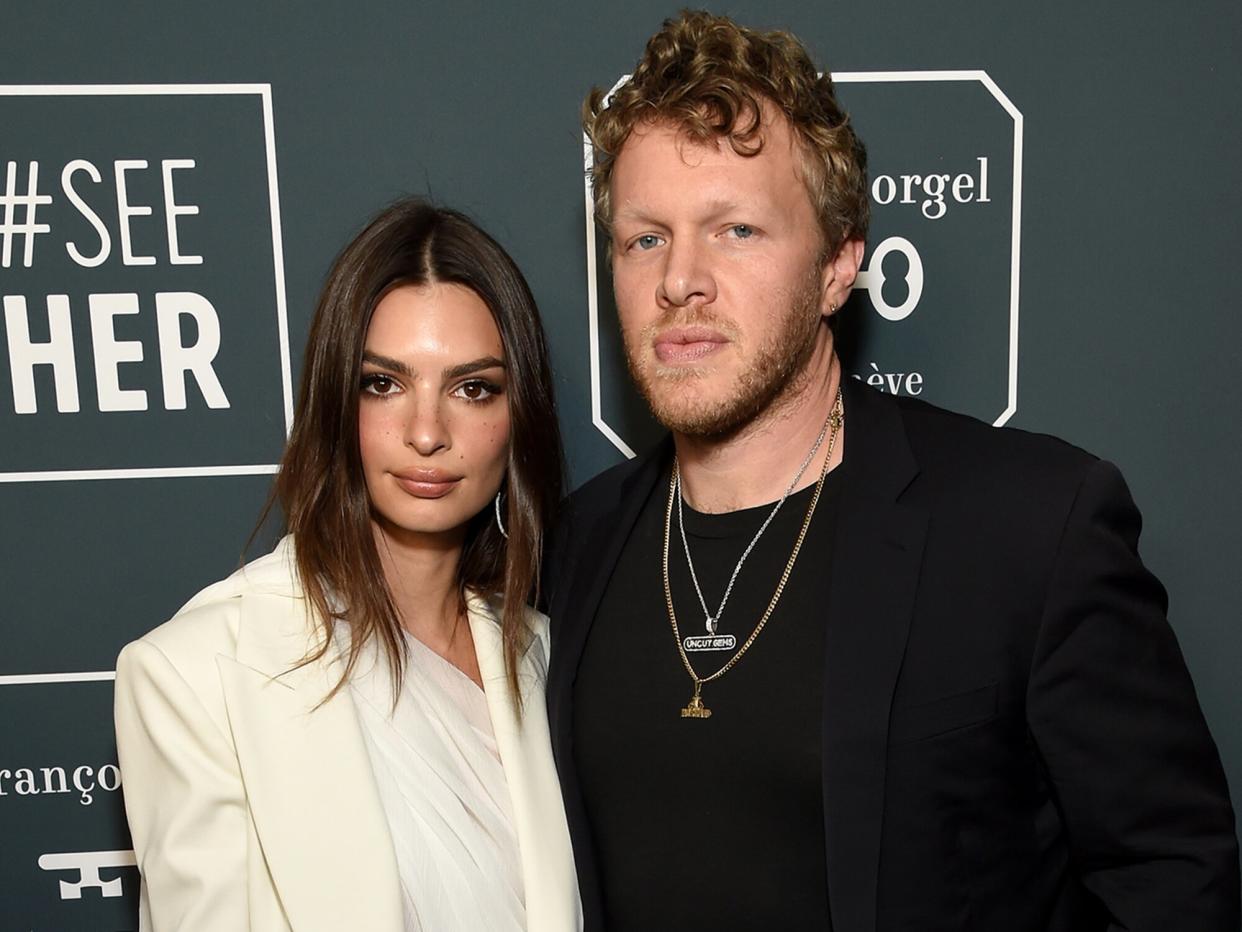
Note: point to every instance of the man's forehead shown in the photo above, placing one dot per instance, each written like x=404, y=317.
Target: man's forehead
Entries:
x=773, y=129
x=663, y=152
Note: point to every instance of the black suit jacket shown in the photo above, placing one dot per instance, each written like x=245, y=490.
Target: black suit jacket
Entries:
x=1010, y=738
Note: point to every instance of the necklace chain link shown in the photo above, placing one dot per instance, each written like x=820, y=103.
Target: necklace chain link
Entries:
x=713, y=620
x=696, y=709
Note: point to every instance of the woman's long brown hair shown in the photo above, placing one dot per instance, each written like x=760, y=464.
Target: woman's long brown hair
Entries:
x=321, y=488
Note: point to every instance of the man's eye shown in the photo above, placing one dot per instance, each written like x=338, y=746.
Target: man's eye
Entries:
x=647, y=241
x=378, y=385
x=742, y=231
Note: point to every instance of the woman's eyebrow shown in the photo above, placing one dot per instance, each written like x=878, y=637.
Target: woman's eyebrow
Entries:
x=385, y=362
x=474, y=365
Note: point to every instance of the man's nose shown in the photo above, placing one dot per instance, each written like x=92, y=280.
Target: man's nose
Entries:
x=426, y=430
x=688, y=277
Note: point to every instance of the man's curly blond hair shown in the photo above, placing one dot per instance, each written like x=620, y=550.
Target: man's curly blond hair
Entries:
x=709, y=76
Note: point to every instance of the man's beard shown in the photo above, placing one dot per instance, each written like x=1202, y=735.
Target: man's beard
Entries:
x=770, y=371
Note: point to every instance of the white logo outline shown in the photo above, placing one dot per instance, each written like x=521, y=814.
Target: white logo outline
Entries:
x=264, y=91
x=844, y=77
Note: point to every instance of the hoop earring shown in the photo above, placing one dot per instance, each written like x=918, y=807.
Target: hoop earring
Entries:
x=499, y=521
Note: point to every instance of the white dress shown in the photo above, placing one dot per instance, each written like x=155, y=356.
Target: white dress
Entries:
x=444, y=792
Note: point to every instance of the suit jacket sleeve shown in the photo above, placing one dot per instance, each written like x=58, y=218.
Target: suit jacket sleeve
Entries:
x=183, y=797
x=1114, y=715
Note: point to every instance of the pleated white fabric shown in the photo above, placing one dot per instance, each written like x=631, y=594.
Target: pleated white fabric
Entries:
x=444, y=792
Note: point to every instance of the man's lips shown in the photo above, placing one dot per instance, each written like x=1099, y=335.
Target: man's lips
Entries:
x=429, y=483
x=687, y=344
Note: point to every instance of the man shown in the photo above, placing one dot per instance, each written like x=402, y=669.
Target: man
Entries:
x=828, y=658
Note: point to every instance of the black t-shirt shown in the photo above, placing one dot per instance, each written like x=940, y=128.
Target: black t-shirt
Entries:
x=709, y=824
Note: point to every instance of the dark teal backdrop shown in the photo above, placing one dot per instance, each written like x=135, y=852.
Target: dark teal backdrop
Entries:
x=301, y=119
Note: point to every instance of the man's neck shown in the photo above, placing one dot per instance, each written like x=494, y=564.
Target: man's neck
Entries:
x=756, y=465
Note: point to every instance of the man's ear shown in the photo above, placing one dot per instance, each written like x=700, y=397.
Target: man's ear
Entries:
x=839, y=275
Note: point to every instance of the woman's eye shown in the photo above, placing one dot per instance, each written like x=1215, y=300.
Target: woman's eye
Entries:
x=742, y=231
x=476, y=390
x=377, y=384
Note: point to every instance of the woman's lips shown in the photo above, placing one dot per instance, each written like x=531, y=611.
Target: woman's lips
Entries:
x=427, y=484
x=687, y=344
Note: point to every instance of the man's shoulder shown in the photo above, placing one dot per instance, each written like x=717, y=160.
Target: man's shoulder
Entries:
x=605, y=491
x=594, y=505
x=963, y=445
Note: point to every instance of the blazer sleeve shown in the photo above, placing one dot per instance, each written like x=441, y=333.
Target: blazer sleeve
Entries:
x=1115, y=717
x=183, y=797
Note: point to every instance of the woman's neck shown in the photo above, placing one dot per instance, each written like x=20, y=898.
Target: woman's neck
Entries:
x=422, y=575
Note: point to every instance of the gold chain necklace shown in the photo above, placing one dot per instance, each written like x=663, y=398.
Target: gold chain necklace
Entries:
x=696, y=708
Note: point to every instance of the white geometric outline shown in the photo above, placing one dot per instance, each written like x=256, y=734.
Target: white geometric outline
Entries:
x=137, y=90
x=34, y=679
x=844, y=77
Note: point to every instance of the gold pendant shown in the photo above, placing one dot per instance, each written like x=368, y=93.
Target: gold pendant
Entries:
x=696, y=709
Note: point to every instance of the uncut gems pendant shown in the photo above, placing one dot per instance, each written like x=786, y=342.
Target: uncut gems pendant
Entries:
x=693, y=644
x=696, y=709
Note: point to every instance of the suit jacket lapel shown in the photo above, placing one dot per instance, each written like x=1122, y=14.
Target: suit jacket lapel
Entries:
x=876, y=560
x=595, y=553
x=523, y=743
x=308, y=775
x=592, y=554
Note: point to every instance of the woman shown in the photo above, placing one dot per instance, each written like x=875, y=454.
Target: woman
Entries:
x=349, y=733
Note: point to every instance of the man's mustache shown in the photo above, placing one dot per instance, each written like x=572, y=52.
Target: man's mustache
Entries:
x=691, y=317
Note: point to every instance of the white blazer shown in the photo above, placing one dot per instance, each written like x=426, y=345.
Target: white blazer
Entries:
x=253, y=809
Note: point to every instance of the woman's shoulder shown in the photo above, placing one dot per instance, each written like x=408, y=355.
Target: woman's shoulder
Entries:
x=208, y=625
x=538, y=650
x=493, y=608
x=537, y=622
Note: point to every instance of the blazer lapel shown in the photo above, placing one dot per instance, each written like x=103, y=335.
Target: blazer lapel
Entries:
x=308, y=776
x=876, y=560
x=596, y=549
x=551, y=887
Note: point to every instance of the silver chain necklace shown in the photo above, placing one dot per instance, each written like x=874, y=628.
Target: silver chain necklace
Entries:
x=711, y=620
